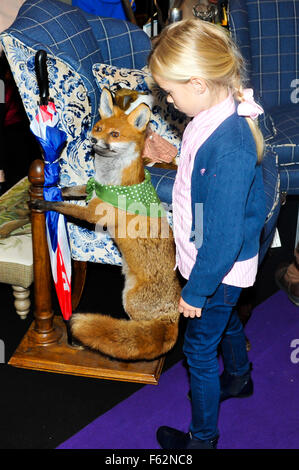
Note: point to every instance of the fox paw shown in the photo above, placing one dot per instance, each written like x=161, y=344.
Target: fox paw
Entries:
x=39, y=204
x=67, y=191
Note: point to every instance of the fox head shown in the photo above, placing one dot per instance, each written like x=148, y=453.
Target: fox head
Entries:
x=117, y=133
x=118, y=141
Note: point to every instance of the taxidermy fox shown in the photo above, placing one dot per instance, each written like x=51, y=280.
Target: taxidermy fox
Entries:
x=152, y=290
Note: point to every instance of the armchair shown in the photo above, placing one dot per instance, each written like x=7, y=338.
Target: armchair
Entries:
x=267, y=34
x=75, y=41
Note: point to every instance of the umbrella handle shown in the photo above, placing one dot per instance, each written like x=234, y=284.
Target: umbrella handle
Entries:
x=42, y=76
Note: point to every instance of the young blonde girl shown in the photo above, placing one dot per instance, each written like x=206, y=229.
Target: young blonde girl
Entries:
x=218, y=213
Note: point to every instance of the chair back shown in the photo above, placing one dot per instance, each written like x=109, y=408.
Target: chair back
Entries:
x=267, y=33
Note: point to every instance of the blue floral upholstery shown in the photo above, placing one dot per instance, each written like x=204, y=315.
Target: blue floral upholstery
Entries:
x=268, y=35
x=80, y=45
x=74, y=41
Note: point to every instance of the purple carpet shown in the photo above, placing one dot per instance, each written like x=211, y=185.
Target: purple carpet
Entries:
x=267, y=420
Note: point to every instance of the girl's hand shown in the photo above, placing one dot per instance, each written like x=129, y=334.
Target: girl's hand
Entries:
x=188, y=310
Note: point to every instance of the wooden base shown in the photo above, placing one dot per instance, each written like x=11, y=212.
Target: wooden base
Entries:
x=63, y=359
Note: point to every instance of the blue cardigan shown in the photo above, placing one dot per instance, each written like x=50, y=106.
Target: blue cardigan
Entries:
x=232, y=194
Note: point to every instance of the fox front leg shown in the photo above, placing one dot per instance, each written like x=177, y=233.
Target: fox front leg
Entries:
x=64, y=208
x=74, y=210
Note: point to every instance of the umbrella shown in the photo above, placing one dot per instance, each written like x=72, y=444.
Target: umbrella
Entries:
x=52, y=139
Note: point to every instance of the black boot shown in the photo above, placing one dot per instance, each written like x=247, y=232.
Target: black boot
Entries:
x=235, y=386
x=170, y=438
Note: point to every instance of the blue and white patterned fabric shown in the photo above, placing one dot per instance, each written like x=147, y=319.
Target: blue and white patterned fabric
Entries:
x=267, y=33
x=67, y=34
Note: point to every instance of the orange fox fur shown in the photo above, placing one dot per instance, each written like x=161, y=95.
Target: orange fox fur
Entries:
x=151, y=292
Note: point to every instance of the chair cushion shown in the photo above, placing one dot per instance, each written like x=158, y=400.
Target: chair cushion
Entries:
x=285, y=137
x=280, y=128
x=289, y=178
x=165, y=120
x=163, y=181
x=16, y=260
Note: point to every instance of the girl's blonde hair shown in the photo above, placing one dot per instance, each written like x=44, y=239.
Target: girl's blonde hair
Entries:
x=196, y=48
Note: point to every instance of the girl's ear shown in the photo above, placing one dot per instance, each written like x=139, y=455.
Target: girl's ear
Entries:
x=140, y=116
x=106, y=104
x=198, y=84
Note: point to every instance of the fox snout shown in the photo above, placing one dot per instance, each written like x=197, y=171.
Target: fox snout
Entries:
x=102, y=148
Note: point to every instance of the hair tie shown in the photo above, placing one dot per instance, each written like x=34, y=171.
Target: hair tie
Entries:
x=248, y=107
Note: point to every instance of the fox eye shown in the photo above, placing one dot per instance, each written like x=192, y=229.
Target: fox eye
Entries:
x=114, y=134
x=98, y=129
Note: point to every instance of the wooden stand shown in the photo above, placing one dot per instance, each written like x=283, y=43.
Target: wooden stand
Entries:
x=45, y=347
x=59, y=357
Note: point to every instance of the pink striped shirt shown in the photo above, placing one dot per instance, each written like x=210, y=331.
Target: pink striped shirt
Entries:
x=243, y=273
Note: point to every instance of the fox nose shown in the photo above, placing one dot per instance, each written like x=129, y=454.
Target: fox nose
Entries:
x=93, y=140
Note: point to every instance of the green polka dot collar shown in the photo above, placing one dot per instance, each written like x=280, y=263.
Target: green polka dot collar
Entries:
x=136, y=199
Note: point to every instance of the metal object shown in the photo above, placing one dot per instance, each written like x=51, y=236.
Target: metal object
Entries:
x=175, y=14
x=204, y=12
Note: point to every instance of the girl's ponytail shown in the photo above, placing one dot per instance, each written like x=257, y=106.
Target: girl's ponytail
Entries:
x=253, y=125
x=258, y=137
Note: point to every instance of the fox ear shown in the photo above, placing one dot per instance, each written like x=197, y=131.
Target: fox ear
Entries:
x=140, y=116
x=106, y=104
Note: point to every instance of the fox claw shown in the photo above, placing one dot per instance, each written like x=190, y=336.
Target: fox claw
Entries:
x=38, y=204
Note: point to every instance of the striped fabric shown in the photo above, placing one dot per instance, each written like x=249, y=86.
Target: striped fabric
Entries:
x=243, y=273
x=198, y=130
x=268, y=35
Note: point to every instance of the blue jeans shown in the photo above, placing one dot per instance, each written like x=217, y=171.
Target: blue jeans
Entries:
x=218, y=324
